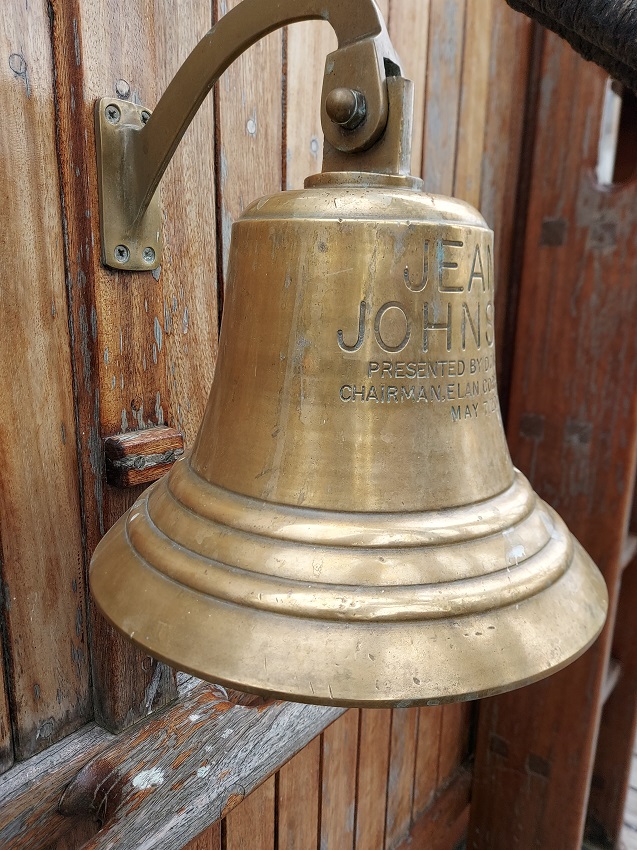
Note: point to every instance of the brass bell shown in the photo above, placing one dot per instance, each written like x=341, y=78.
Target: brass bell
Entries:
x=349, y=527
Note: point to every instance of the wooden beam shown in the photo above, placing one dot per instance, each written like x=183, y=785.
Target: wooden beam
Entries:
x=159, y=784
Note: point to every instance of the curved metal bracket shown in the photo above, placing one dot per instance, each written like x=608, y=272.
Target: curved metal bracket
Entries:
x=134, y=146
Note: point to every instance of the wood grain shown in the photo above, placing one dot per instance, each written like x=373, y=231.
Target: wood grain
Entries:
x=427, y=758
x=455, y=723
x=208, y=840
x=30, y=791
x=338, y=789
x=251, y=824
x=159, y=784
x=249, y=131
x=400, y=790
x=444, y=825
x=308, y=44
x=373, y=768
x=44, y=590
x=408, y=22
x=298, y=800
x=132, y=331
x=613, y=759
x=444, y=71
x=573, y=433
x=505, y=152
x=474, y=100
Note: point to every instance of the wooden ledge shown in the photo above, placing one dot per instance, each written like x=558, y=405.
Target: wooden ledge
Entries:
x=161, y=783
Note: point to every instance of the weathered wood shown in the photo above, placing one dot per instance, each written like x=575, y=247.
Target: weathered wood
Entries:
x=140, y=457
x=132, y=331
x=613, y=757
x=30, y=791
x=159, y=784
x=444, y=71
x=251, y=824
x=338, y=789
x=573, y=432
x=373, y=767
x=444, y=825
x=408, y=22
x=474, y=101
x=308, y=44
x=427, y=758
x=298, y=800
x=249, y=131
x=402, y=758
x=83, y=830
x=44, y=597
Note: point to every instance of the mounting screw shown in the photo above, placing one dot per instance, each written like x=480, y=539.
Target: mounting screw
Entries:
x=122, y=88
x=145, y=116
x=113, y=113
x=122, y=254
x=346, y=108
x=148, y=255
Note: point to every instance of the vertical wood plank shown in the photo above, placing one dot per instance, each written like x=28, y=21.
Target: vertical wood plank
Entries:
x=249, y=128
x=613, y=757
x=454, y=739
x=208, y=840
x=576, y=441
x=408, y=22
x=444, y=70
x=251, y=824
x=373, y=766
x=502, y=167
x=308, y=44
x=427, y=758
x=474, y=100
x=338, y=787
x=298, y=800
x=42, y=571
x=400, y=789
x=131, y=331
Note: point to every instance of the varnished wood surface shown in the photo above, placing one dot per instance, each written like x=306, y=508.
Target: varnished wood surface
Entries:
x=613, y=759
x=573, y=432
x=298, y=795
x=44, y=594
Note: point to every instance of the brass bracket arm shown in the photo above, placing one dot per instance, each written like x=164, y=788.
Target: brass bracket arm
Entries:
x=134, y=146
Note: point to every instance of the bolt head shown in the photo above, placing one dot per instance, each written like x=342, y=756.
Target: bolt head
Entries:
x=346, y=107
x=113, y=113
x=122, y=254
x=148, y=255
x=145, y=116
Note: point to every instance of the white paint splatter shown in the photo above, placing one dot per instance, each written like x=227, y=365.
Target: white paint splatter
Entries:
x=203, y=771
x=148, y=778
x=194, y=717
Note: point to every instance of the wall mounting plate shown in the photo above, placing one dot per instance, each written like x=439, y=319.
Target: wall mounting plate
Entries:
x=125, y=246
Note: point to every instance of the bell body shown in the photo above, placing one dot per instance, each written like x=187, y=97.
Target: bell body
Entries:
x=349, y=527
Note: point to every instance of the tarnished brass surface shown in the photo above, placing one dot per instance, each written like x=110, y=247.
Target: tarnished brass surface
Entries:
x=349, y=527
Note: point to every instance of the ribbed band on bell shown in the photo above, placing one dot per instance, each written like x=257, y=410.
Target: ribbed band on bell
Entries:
x=603, y=32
